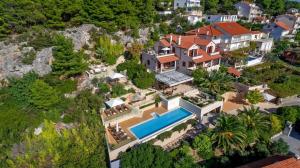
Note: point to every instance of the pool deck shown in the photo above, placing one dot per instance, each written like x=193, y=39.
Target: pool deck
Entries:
x=136, y=120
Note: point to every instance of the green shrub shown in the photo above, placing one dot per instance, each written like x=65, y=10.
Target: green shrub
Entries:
x=180, y=127
x=107, y=51
x=164, y=135
x=29, y=58
x=118, y=90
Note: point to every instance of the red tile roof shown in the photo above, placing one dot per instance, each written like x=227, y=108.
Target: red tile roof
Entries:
x=205, y=57
x=206, y=30
x=165, y=43
x=256, y=32
x=169, y=58
x=232, y=28
x=234, y=72
x=289, y=163
x=274, y=162
x=282, y=25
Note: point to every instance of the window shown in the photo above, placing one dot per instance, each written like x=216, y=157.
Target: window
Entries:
x=148, y=62
x=183, y=64
x=177, y=4
x=208, y=17
x=191, y=64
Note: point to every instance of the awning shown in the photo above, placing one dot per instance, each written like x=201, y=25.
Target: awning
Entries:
x=173, y=78
x=116, y=76
x=114, y=102
x=165, y=59
x=268, y=97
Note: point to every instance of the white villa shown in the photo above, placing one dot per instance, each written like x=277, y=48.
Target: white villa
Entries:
x=248, y=10
x=193, y=12
x=221, y=18
x=291, y=20
x=277, y=30
x=227, y=36
x=182, y=53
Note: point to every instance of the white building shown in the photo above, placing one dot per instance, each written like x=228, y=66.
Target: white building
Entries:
x=264, y=44
x=292, y=21
x=193, y=11
x=221, y=18
x=228, y=36
x=188, y=4
x=277, y=30
x=248, y=10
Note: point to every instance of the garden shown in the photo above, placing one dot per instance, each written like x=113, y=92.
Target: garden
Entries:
x=236, y=140
x=282, y=80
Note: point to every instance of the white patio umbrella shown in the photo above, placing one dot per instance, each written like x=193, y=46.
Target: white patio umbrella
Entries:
x=114, y=102
x=166, y=49
x=117, y=127
x=116, y=76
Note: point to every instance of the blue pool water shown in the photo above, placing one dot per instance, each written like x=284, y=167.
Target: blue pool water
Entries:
x=157, y=123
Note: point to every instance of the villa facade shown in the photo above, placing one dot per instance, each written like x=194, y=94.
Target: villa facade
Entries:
x=228, y=36
x=221, y=18
x=248, y=10
x=182, y=53
x=193, y=11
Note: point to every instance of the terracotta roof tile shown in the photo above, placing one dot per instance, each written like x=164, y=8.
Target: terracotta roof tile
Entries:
x=169, y=58
x=282, y=25
x=205, y=30
x=205, y=57
x=274, y=162
x=165, y=43
x=232, y=28
x=233, y=71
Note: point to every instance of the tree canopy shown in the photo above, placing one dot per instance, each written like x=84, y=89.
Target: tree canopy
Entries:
x=19, y=15
x=67, y=62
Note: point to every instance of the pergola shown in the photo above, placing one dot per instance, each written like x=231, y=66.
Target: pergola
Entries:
x=173, y=78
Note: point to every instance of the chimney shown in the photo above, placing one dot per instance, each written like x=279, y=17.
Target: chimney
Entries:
x=179, y=40
x=171, y=38
x=207, y=33
x=198, y=30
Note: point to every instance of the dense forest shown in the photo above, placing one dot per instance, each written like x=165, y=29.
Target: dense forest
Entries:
x=17, y=16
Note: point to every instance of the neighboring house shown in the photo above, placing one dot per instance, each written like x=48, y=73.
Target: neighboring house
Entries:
x=248, y=10
x=228, y=36
x=274, y=162
x=182, y=53
x=193, y=11
x=292, y=21
x=292, y=11
x=277, y=30
x=187, y=4
x=264, y=44
x=221, y=18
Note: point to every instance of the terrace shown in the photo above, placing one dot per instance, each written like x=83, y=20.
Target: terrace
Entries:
x=201, y=99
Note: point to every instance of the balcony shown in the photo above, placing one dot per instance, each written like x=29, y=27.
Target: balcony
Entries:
x=240, y=39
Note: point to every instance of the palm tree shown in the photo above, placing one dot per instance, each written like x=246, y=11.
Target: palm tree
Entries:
x=228, y=134
x=254, y=97
x=217, y=82
x=256, y=123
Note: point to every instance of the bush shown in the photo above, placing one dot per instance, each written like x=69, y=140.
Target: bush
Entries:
x=180, y=127
x=29, y=58
x=279, y=147
x=107, y=51
x=203, y=145
x=118, y=90
x=103, y=88
x=137, y=73
x=164, y=135
x=42, y=95
x=290, y=113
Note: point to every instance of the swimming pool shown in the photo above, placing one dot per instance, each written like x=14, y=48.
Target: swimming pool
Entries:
x=159, y=122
